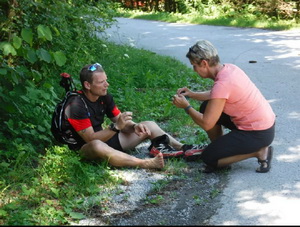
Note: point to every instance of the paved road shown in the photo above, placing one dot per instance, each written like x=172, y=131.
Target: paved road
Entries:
x=249, y=198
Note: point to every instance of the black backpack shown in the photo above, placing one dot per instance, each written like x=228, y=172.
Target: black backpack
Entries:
x=60, y=128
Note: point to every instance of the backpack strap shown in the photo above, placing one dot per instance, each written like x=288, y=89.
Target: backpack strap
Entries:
x=84, y=102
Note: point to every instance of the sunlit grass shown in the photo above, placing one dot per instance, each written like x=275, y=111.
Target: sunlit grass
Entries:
x=62, y=187
x=236, y=20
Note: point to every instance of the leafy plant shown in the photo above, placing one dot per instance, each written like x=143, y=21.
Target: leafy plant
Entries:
x=198, y=199
x=275, y=15
x=155, y=199
x=159, y=185
x=44, y=184
x=214, y=192
x=33, y=51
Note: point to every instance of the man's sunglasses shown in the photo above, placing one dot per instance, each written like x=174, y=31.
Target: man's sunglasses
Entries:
x=93, y=67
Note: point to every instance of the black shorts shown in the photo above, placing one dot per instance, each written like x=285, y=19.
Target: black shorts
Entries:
x=114, y=142
x=236, y=142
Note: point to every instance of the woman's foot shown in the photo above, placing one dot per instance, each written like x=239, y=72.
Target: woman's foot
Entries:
x=265, y=164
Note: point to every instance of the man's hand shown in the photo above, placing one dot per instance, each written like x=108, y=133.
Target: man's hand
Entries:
x=123, y=119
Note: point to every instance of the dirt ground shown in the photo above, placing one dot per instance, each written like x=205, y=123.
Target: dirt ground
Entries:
x=190, y=199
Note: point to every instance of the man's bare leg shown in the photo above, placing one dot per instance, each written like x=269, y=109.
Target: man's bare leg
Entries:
x=157, y=131
x=98, y=150
x=131, y=140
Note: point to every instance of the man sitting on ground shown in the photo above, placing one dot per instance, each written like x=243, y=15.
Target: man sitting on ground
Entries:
x=123, y=134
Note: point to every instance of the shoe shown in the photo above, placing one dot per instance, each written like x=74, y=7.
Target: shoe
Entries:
x=161, y=144
x=193, y=152
x=262, y=168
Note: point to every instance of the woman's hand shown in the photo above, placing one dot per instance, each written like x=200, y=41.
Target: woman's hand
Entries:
x=184, y=91
x=180, y=101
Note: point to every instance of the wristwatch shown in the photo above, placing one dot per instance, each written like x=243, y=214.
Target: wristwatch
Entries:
x=112, y=127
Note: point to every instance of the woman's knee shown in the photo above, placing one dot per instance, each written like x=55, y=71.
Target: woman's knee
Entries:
x=208, y=158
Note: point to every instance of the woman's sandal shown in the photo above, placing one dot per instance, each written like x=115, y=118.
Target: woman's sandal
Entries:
x=265, y=168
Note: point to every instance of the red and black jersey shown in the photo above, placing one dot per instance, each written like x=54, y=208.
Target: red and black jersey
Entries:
x=80, y=117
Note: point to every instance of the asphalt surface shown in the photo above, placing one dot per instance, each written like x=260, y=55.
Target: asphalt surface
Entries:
x=249, y=198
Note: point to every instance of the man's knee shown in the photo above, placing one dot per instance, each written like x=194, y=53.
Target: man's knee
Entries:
x=95, y=144
x=150, y=124
x=95, y=149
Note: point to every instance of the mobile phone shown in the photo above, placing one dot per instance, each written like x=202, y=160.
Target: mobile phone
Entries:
x=186, y=96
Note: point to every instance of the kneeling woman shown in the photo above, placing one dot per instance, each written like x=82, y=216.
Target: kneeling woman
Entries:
x=233, y=102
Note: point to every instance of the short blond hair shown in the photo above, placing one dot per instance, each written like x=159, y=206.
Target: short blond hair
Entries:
x=203, y=50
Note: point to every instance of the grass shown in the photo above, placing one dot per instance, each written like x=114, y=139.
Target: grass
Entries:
x=60, y=188
x=235, y=20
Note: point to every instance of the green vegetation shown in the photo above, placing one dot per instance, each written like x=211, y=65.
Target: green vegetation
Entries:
x=53, y=189
x=45, y=184
x=154, y=199
x=266, y=14
x=245, y=21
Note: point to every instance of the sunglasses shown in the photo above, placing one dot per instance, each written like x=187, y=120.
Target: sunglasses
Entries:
x=191, y=50
x=93, y=67
x=194, y=52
